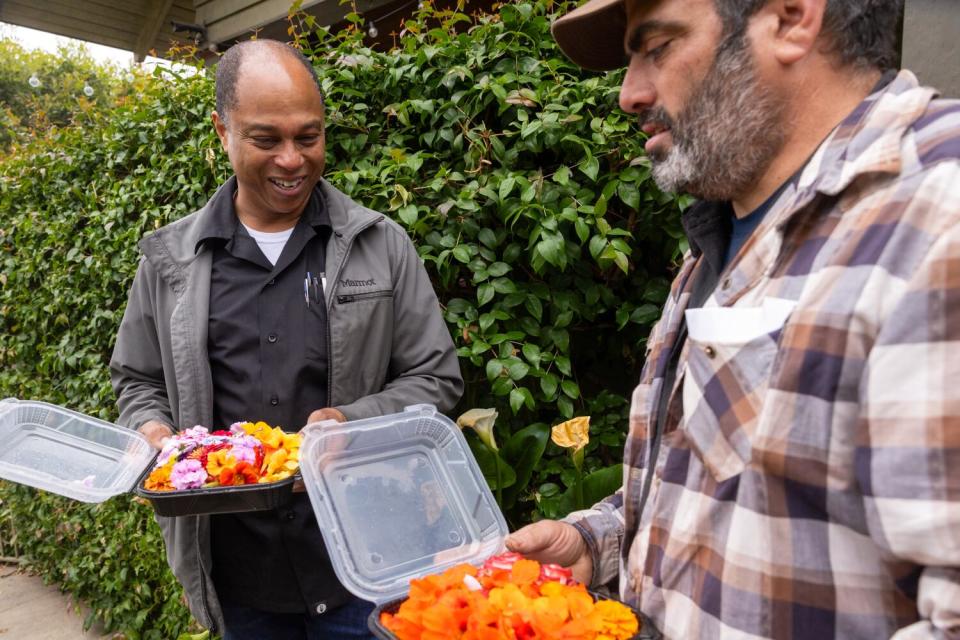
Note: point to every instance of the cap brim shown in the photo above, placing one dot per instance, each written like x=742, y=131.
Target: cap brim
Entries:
x=592, y=34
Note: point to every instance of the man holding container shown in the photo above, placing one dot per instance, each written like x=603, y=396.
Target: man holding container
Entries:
x=793, y=463
x=284, y=301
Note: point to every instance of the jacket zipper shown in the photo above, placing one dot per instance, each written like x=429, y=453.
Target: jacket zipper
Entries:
x=329, y=303
x=352, y=297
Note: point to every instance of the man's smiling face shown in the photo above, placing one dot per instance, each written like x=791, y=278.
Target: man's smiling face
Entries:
x=274, y=138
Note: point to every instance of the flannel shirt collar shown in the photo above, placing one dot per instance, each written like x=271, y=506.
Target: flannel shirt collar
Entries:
x=869, y=140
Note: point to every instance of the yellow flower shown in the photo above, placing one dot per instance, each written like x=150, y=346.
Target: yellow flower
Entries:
x=618, y=621
x=291, y=441
x=481, y=421
x=280, y=464
x=217, y=461
x=572, y=434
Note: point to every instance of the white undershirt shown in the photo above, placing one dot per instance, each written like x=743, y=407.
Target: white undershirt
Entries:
x=271, y=244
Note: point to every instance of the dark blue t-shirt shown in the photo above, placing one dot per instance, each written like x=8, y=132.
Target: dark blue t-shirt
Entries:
x=743, y=228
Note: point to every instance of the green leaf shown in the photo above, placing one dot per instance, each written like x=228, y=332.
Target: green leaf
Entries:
x=516, y=400
x=518, y=370
x=458, y=306
x=583, y=230
x=498, y=269
x=488, y=460
x=532, y=353
x=522, y=451
x=506, y=186
x=408, y=214
x=590, y=167
x=562, y=175
x=485, y=293
x=534, y=307
x=486, y=319
x=461, y=253
x=504, y=286
x=494, y=369
x=487, y=237
x=597, y=245
x=570, y=388
x=549, y=384
x=645, y=314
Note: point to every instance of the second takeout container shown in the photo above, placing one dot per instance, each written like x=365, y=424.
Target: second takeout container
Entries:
x=91, y=460
x=398, y=497
x=646, y=632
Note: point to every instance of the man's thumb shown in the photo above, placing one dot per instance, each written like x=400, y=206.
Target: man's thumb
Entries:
x=526, y=540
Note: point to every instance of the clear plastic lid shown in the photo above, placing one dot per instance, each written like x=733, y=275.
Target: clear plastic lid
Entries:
x=398, y=497
x=68, y=453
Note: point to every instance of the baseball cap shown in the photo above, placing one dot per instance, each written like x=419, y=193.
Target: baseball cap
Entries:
x=592, y=34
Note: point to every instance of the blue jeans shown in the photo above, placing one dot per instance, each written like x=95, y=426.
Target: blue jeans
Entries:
x=348, y=621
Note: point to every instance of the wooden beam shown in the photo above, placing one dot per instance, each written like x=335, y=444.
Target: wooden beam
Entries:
x=151, y=28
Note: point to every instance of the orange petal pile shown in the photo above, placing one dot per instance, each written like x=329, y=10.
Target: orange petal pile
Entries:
x=509, y=598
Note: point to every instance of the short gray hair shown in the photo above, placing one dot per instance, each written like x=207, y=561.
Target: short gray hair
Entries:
x=861, y=33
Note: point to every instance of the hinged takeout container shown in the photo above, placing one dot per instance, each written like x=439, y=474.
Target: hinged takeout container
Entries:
x=88, y=459
x=398, y=497
x=68, y=453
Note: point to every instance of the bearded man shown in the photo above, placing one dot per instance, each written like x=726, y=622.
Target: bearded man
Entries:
x=793, y=463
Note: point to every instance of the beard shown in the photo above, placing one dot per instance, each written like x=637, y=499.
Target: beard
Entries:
x=728, y=133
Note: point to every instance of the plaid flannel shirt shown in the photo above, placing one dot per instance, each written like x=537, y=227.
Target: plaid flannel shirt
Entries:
x=808, y=481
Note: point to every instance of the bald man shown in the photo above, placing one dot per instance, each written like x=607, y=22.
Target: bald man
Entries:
x=284, y=301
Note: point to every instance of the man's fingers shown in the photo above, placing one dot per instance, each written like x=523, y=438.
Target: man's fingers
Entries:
x=527, y=540
x=327, y=413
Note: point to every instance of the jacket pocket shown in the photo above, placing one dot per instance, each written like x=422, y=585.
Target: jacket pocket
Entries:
x=723, y=392
x=349, y=298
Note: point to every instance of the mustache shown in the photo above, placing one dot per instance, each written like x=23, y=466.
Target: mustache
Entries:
x=658, y=117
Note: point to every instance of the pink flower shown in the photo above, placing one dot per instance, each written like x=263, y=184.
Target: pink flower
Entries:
x=188, y=474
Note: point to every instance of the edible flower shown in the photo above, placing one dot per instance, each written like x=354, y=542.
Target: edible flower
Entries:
x=508, y=598
x=247, y=453
x=481, y=421
x=572, y=434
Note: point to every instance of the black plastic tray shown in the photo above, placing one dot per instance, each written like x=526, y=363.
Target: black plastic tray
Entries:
x=647, y=630
x=235, y=499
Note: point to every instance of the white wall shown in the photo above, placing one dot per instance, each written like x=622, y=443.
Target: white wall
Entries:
x=931, y=43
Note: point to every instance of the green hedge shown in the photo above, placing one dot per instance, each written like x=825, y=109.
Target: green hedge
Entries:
x=523, y=185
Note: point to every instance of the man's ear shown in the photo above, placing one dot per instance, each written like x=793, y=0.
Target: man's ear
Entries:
x=221, y=128
x=790, y=28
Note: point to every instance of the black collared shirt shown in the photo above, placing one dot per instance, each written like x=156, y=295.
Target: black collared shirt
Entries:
x=268, y=356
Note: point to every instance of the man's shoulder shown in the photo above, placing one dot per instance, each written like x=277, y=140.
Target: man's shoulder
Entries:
x=346, y=213
x=176, y=239
x=936, y=133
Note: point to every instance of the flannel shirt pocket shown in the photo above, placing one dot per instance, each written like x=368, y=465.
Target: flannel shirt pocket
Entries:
x=723, y=391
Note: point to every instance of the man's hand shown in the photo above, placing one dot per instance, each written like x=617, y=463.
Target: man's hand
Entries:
x=557, y=542
x=156, y=433
x=327, y=413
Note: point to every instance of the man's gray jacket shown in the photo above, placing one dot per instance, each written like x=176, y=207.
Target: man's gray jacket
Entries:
x=388, y=347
